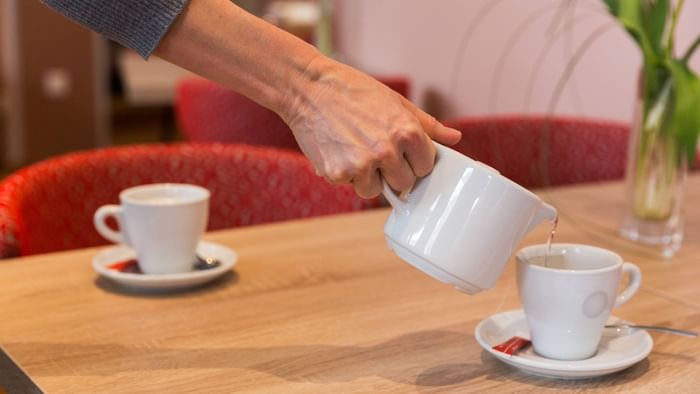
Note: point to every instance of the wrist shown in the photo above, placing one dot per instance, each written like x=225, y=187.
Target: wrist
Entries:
x=302, y=86
x=221, y=42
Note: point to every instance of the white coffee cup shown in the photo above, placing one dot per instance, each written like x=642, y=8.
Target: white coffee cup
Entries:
x=568, y=302
x=462, y=222
x=162, y=222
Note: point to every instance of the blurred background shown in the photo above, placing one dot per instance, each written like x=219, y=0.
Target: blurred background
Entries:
x=64, y=88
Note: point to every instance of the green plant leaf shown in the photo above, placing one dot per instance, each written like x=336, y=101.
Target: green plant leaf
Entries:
x=613, y=6
x=686, y=118
x=630, y=14
x=691, y=49
x=656, y=76
x=671, y=39
x=654, y=16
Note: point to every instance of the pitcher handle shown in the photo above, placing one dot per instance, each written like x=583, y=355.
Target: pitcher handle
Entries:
x=400, y=201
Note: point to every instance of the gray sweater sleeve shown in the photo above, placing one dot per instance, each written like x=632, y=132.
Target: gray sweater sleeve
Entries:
x=137, y=24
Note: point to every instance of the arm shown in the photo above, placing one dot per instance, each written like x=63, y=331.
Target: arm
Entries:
x=137, y=24
x=352, y=128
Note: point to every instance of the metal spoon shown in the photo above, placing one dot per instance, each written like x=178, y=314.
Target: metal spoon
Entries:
x=667, y=330
x=205, y=263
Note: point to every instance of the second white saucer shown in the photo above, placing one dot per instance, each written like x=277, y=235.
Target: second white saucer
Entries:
x=226, y=256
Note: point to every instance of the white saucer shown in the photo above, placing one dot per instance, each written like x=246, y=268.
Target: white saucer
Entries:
x=113, y=254
x=615, y=353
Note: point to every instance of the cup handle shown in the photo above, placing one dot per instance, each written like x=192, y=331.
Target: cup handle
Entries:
x=101, y=215
x=635, y=280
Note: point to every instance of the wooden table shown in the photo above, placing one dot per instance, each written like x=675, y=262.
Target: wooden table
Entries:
x=322, y=306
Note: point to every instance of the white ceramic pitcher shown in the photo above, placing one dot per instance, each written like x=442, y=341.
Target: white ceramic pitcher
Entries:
x=461, y=223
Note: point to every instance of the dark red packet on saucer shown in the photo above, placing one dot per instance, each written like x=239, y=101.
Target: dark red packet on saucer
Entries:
x=130, y=266
x=512, y=345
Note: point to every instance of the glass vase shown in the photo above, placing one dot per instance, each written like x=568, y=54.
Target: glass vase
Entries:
x=656, y=172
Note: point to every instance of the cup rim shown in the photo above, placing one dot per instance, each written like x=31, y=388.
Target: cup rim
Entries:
x=523, y=259
x=125, y=195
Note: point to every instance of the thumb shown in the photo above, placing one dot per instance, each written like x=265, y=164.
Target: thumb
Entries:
x=433, y=128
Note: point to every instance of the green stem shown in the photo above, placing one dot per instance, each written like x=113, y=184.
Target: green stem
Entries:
x=674, y=23
x=655, y=167
x=690, y=50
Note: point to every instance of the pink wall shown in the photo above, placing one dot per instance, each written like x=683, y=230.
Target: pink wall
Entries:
x=420, y=38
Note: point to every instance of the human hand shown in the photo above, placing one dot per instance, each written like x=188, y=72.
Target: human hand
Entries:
x=356, y=130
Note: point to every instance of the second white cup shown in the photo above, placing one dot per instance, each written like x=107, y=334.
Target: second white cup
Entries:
x=568, y=301
x=162, y=222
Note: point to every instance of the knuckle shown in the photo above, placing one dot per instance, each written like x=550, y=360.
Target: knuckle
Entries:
x=364, y=165
x=351, y=170
x=408, y=135
x=339, y=175
x=319, y=172
x=382, y=154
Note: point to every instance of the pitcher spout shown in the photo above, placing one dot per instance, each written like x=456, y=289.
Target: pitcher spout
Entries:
x=544, y=212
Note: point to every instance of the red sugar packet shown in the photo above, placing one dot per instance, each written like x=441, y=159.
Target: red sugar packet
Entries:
x=512, y=345
x=130, y=266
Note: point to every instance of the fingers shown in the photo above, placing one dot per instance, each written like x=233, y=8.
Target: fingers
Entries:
x=434, y=129
x=369, y=184
x=397, y=154
x=397, y=172
x=366, y=173
x=420, y=154
x=407, y=154
x=418, y=150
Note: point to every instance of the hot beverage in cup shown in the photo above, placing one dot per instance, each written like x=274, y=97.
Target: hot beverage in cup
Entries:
x=568, y=295
x=162, y=222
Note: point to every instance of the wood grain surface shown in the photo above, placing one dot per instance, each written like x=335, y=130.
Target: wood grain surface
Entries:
x=322, y=306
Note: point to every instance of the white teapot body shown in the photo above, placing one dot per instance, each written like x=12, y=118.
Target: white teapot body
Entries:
x=462, y=222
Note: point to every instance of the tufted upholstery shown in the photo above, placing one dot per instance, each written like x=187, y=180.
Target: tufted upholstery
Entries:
x=49, y=206
x=209, y=112
x=540, y=151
